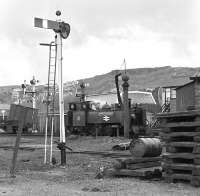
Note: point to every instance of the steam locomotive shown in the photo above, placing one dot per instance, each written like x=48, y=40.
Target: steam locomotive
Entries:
x=81, y=118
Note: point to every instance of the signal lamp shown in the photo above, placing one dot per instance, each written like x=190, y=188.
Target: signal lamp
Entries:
x=84, y=106
x=72, y=106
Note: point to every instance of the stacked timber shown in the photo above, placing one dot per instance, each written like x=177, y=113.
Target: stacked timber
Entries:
x=181, y=134
x=144, y=161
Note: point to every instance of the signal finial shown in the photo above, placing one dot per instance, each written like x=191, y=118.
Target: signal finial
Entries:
x=58, y=13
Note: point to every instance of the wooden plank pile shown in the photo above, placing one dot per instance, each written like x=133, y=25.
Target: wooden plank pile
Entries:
x=144, y=167
x=181, y=134
x=144, y=160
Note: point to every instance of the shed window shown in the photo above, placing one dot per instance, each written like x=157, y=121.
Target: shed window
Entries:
x=173, y=93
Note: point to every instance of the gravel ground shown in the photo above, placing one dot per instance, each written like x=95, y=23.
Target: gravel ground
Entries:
x=78, y=176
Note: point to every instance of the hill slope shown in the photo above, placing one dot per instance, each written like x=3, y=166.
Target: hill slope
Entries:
x=140, y=78
x=143, y=78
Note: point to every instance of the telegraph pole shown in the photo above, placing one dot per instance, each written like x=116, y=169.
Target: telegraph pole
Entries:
x=62, y=31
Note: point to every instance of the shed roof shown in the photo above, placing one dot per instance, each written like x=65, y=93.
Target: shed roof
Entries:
x=141, y=97
x=195, y=76
x=4, y=106
x=184, y=85
x=138, y=97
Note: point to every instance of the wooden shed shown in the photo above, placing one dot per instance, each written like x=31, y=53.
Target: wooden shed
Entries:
x=188, y=95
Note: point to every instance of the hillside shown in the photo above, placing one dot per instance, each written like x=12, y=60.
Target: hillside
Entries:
x=140, y=78
x=143, y=78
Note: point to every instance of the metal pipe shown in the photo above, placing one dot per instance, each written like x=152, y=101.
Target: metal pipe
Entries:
x=125, y=85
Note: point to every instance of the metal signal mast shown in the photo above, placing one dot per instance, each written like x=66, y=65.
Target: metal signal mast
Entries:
x=62, y=31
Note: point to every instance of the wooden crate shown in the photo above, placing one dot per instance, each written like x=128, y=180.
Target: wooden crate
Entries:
x=183, y=147
x=181, y=135
x=188, y=158
x=172, y=178
x=175, y=117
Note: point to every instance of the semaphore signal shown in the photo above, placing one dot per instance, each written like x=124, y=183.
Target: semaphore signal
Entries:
x=62, y=31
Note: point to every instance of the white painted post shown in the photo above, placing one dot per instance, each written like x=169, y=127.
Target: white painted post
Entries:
x=60, y=86
x=45, y=141
x=51, y=144
x=61, y=99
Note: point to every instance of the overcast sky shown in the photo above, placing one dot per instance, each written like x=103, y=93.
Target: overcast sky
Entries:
x=147, y=33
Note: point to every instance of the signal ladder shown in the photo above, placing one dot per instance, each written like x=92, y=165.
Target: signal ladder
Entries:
x=51, y=93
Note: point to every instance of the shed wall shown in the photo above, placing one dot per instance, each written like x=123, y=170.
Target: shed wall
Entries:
x=197, y=94
x=185, y=96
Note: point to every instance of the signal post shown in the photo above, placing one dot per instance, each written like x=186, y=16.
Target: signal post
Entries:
x=62, y=31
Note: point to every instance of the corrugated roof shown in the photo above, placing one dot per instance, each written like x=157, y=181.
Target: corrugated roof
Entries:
x=196, y=75
x=138, y=97
x=141, y=97
x=4, y=106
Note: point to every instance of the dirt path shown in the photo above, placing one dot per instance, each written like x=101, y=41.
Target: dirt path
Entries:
x=78, y=177
x=26, y=186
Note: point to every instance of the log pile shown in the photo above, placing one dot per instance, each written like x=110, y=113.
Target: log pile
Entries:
x=181, y=134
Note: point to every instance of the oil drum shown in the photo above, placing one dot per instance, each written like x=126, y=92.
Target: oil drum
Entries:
x=145, y=147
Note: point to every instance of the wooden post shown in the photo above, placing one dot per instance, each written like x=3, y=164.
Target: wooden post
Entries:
x=97, y=130
x=45, y=140
x=117, y=131
x=125, y=86
x=17, y=142
x=51, y=146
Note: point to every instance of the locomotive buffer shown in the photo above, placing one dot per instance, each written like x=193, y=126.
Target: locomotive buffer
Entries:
x=62, y=31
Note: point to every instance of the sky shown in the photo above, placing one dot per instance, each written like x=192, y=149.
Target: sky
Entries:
x=147, y=33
